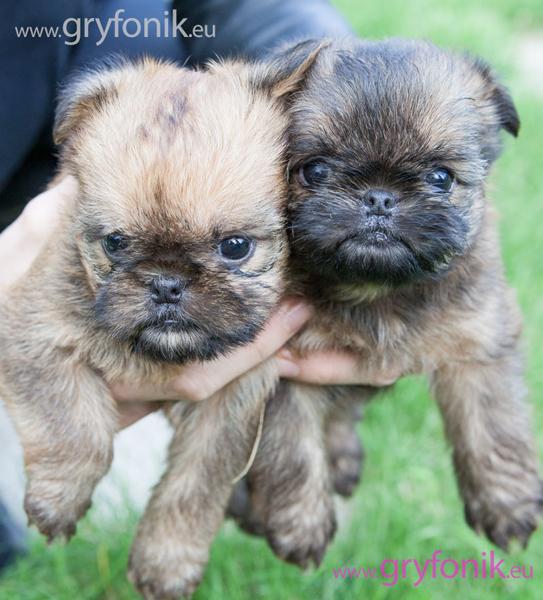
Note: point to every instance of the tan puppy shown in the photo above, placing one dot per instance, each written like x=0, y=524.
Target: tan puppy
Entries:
x=395, y=243
x=174, y=251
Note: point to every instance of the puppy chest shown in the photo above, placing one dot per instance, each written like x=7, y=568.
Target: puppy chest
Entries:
x=382, y=341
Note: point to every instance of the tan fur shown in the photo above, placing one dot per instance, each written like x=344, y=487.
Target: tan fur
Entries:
x=175, y=160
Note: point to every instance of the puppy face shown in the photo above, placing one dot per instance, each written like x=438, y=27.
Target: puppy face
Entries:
x=180, y=222
x=391, y=143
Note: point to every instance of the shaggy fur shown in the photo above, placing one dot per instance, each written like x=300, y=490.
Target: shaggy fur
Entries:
x=414, y=285
x=170, y=162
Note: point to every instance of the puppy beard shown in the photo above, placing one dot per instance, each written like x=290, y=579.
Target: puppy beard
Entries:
x=189, y=345
x=333, y=239
x=178, y=333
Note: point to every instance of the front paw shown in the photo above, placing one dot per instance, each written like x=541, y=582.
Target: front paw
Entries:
x=509, y=518
x=163, y=569
x=299, y=532
x=54, y=508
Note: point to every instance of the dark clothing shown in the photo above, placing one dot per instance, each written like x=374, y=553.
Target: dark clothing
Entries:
x=11, y=539
x=252, y=27
x=31, y=69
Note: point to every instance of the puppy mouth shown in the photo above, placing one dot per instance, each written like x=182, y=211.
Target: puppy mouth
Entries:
x=374, y=237
x=374, y=234
x=171, y=322
x=170, y=319
x=178, y=324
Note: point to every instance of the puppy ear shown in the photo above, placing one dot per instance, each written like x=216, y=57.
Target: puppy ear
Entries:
x=499, y=96
x=82, y=96
x=509, y=118
x=287, y=69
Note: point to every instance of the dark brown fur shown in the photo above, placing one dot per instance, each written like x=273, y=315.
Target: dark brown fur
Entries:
x=418, y=290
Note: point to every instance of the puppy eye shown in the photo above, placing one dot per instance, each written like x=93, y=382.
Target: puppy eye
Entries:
x=313, y=173
x=114, y=243
x=235, y=248
x=440, y=179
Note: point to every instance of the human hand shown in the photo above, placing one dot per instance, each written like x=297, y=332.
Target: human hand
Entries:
x=24, y=239
x=198, y=381
x=330, y=367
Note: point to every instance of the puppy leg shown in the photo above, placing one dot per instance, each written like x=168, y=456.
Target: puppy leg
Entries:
x=66, y=421
x=343, y=445
x=240, y=509
x=494, y=456
x=290, y=480
x=212, y=444
x=345, y=454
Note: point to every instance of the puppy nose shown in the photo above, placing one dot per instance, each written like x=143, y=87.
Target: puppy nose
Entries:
x=166, y=290
x=379, y=202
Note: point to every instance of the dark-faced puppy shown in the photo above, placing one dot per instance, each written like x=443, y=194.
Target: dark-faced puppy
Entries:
x=174, y=250
x=395, y=243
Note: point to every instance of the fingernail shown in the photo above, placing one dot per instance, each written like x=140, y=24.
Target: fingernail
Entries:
x=296, y=315
x=287, y=368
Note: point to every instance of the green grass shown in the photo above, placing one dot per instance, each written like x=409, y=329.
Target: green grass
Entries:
x=408, y=505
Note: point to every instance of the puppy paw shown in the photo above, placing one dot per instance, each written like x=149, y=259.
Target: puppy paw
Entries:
x=503, y=522
x=55, y=515
x=300, y=533
x=59, y=492
x=346, y=458
x=166, y=569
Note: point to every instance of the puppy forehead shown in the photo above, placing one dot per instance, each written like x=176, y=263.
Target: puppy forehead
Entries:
x=389, y=101
x=182, y=148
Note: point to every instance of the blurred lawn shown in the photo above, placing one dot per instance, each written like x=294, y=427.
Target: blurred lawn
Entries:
x=408, y=505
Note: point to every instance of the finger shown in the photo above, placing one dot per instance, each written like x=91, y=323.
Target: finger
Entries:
x=336, y=368
x=324, y=368
x=22, y=241
x=131, y=412
x=198, y=381
x=42, y=214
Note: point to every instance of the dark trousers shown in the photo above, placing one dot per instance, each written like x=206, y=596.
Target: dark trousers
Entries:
x=11, y=539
